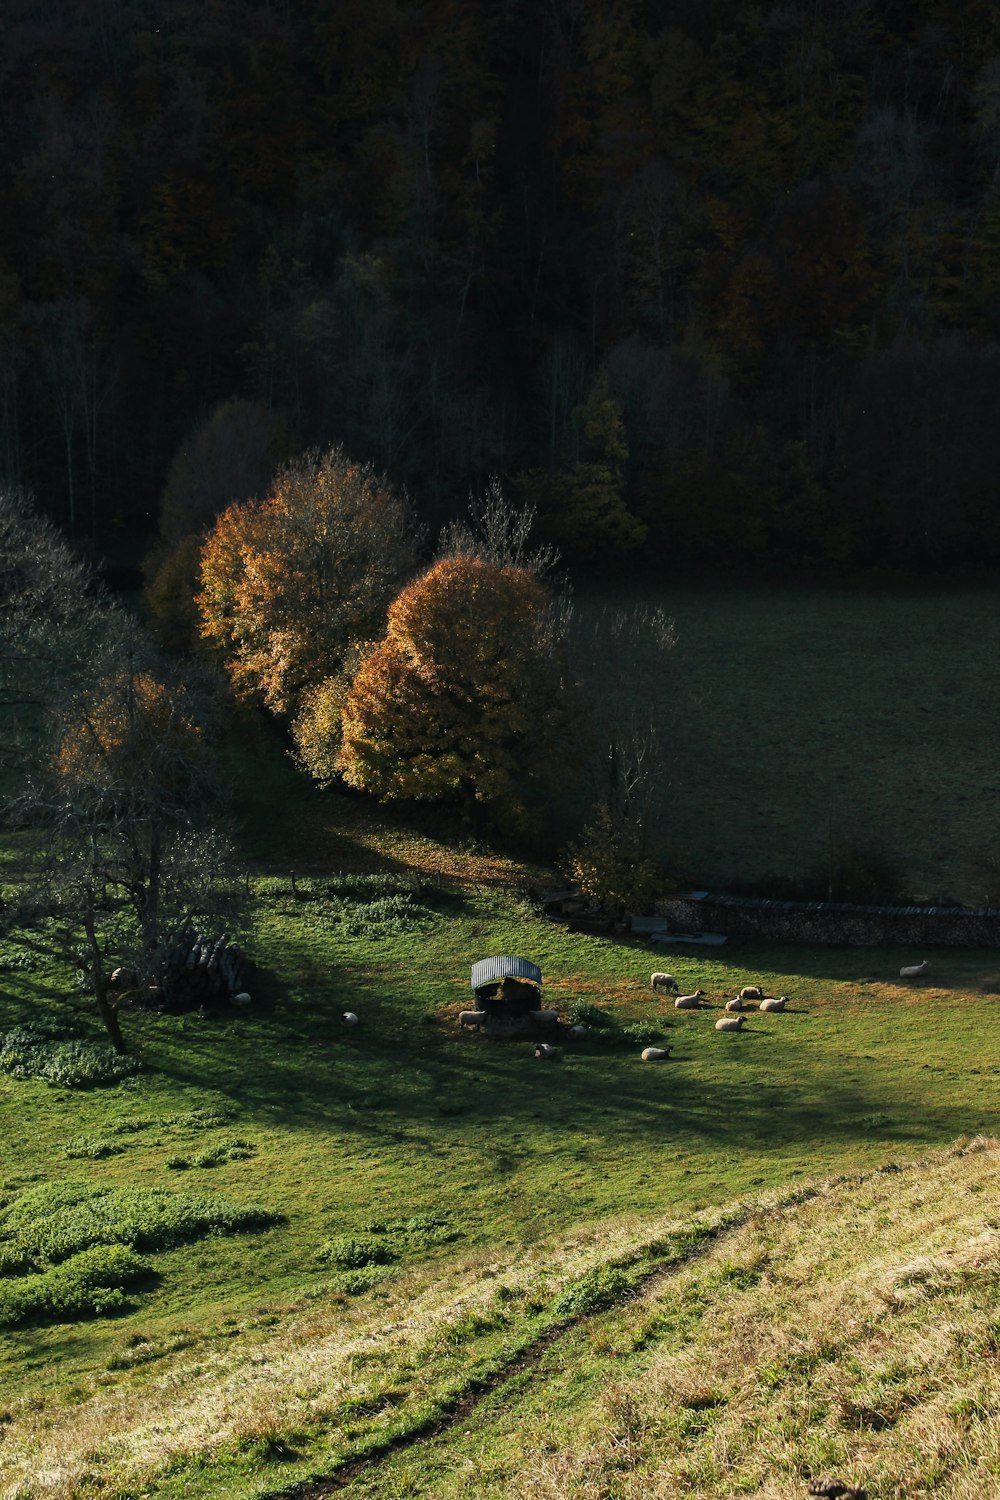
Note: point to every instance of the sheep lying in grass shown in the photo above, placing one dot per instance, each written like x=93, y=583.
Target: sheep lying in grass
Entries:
x=914, y=971
x=546, y=1050
x=471, y=1018
x=752, y=992
x=546, y=1017
x=689, y=1002
x=736, y=1004
x=578, y=1030
x=664, y=982
x=773, y=1004
x=655, y=1054
x=348, y=1018
x=730, y=1023
x=241, y=999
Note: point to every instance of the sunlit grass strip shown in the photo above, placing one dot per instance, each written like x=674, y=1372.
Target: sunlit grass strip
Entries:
x=331, y=1381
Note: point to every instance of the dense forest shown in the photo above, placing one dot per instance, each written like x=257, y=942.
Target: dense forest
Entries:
x=700, y=276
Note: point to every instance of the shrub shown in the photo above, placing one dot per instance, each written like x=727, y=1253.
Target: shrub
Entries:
x=583, y=1013
x=596, y=1289
x=91, y=1283
x=354, y=1251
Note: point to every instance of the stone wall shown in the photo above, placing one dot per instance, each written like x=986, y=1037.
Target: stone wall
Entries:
x=834, y=922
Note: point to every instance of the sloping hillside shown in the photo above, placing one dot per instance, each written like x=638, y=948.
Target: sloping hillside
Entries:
x=846, y=1327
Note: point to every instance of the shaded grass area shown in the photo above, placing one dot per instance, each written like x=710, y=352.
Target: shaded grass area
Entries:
x=797, y=716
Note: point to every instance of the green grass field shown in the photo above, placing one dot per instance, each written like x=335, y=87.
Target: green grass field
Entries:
x=793, y=714
x=451, y=1155
x=426, y=1263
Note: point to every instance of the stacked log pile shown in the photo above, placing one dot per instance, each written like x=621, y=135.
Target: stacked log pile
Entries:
x=200, y=971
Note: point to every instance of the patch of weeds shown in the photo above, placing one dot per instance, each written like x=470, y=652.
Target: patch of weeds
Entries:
x=92, y=1148
x=21, y=961
x=226, y=1151
x=34, y=1052
x=596, y=1289
x=92, y=1283
x=58, y=1220
x=472, y=1326
x=636, y=1032
x=583, y=1013
x=200, y=1119
x=352, y=1252
x=361, y=1279
x=384, y=916
x=740, y=1277
x=415, y=1232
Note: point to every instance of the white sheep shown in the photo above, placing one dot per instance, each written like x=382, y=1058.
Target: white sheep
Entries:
x=913, y=971
x=736, y=1004
x=471, y=1018
x=752, y=992
x=349, y=1018
x=770, y=1003
x=546, y=1050
x=730, y=1023
x=578, y=1030
x=655, y=1054
x=241, y=999
x=664, y=981
x=689, y=1002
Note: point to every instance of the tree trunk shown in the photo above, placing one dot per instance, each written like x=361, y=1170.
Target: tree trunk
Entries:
x=106, y=1008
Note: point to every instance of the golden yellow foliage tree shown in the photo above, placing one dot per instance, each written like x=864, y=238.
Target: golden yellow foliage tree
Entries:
x=464, y=700
x=289, y=583
x=127, y=818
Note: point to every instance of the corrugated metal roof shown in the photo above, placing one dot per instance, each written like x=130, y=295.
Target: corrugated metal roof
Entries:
x=490, y=970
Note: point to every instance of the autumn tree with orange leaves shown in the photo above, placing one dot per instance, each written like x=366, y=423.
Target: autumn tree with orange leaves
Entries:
x=290, y=583
x=122, y=815
x=464, y=701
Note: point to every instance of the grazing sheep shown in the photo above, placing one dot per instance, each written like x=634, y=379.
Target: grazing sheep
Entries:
x=349, y=1018
x=241, y=999
x=752, y=992
x=471, y=1018
x=655, y=1054
x=664, y=982
x=578, y=1030
x=736, y=1004
x=689, y=1002
x=545, y=1016
x=730, y=1023
x=773, y=1004
x=913, y=971
x=546, y=1050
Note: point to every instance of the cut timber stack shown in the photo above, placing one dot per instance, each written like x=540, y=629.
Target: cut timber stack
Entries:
x=200, y=971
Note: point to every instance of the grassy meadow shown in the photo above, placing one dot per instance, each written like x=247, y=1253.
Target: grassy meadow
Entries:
x=288, y=1257
x=796, y=714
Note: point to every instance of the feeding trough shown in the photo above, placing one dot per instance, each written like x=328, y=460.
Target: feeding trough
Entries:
x=508, y=991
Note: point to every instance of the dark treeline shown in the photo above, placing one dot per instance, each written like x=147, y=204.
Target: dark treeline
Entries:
x=719, y=278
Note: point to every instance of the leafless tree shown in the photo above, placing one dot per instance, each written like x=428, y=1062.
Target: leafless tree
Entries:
x=613, y=650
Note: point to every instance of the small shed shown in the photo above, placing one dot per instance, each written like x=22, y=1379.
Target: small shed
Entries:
x=507, y=986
